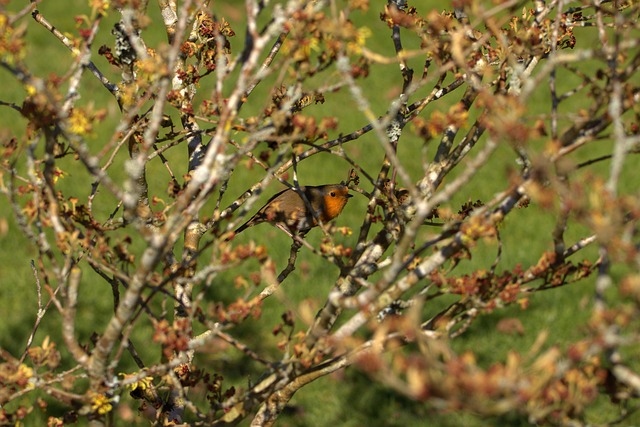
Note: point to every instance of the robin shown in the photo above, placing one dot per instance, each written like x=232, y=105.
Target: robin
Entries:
x=288, y=211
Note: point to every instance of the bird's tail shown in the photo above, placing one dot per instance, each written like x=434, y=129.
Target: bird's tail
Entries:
x=242, y=227
x=239, y=229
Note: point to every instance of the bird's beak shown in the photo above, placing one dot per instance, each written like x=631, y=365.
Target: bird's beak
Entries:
x=349, y=195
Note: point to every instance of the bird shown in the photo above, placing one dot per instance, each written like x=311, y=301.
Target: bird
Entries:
x=288, y=211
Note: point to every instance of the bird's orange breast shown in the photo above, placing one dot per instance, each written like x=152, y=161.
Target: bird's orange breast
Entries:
x=332, y=207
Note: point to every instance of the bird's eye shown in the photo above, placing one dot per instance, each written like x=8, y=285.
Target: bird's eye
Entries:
x=333, y=194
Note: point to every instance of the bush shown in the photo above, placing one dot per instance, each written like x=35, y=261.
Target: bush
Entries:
x=490, y=151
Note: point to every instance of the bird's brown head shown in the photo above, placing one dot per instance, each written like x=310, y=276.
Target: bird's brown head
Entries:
x=335, y=198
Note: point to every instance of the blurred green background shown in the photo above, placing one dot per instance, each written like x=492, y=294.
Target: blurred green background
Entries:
x=348, y=398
